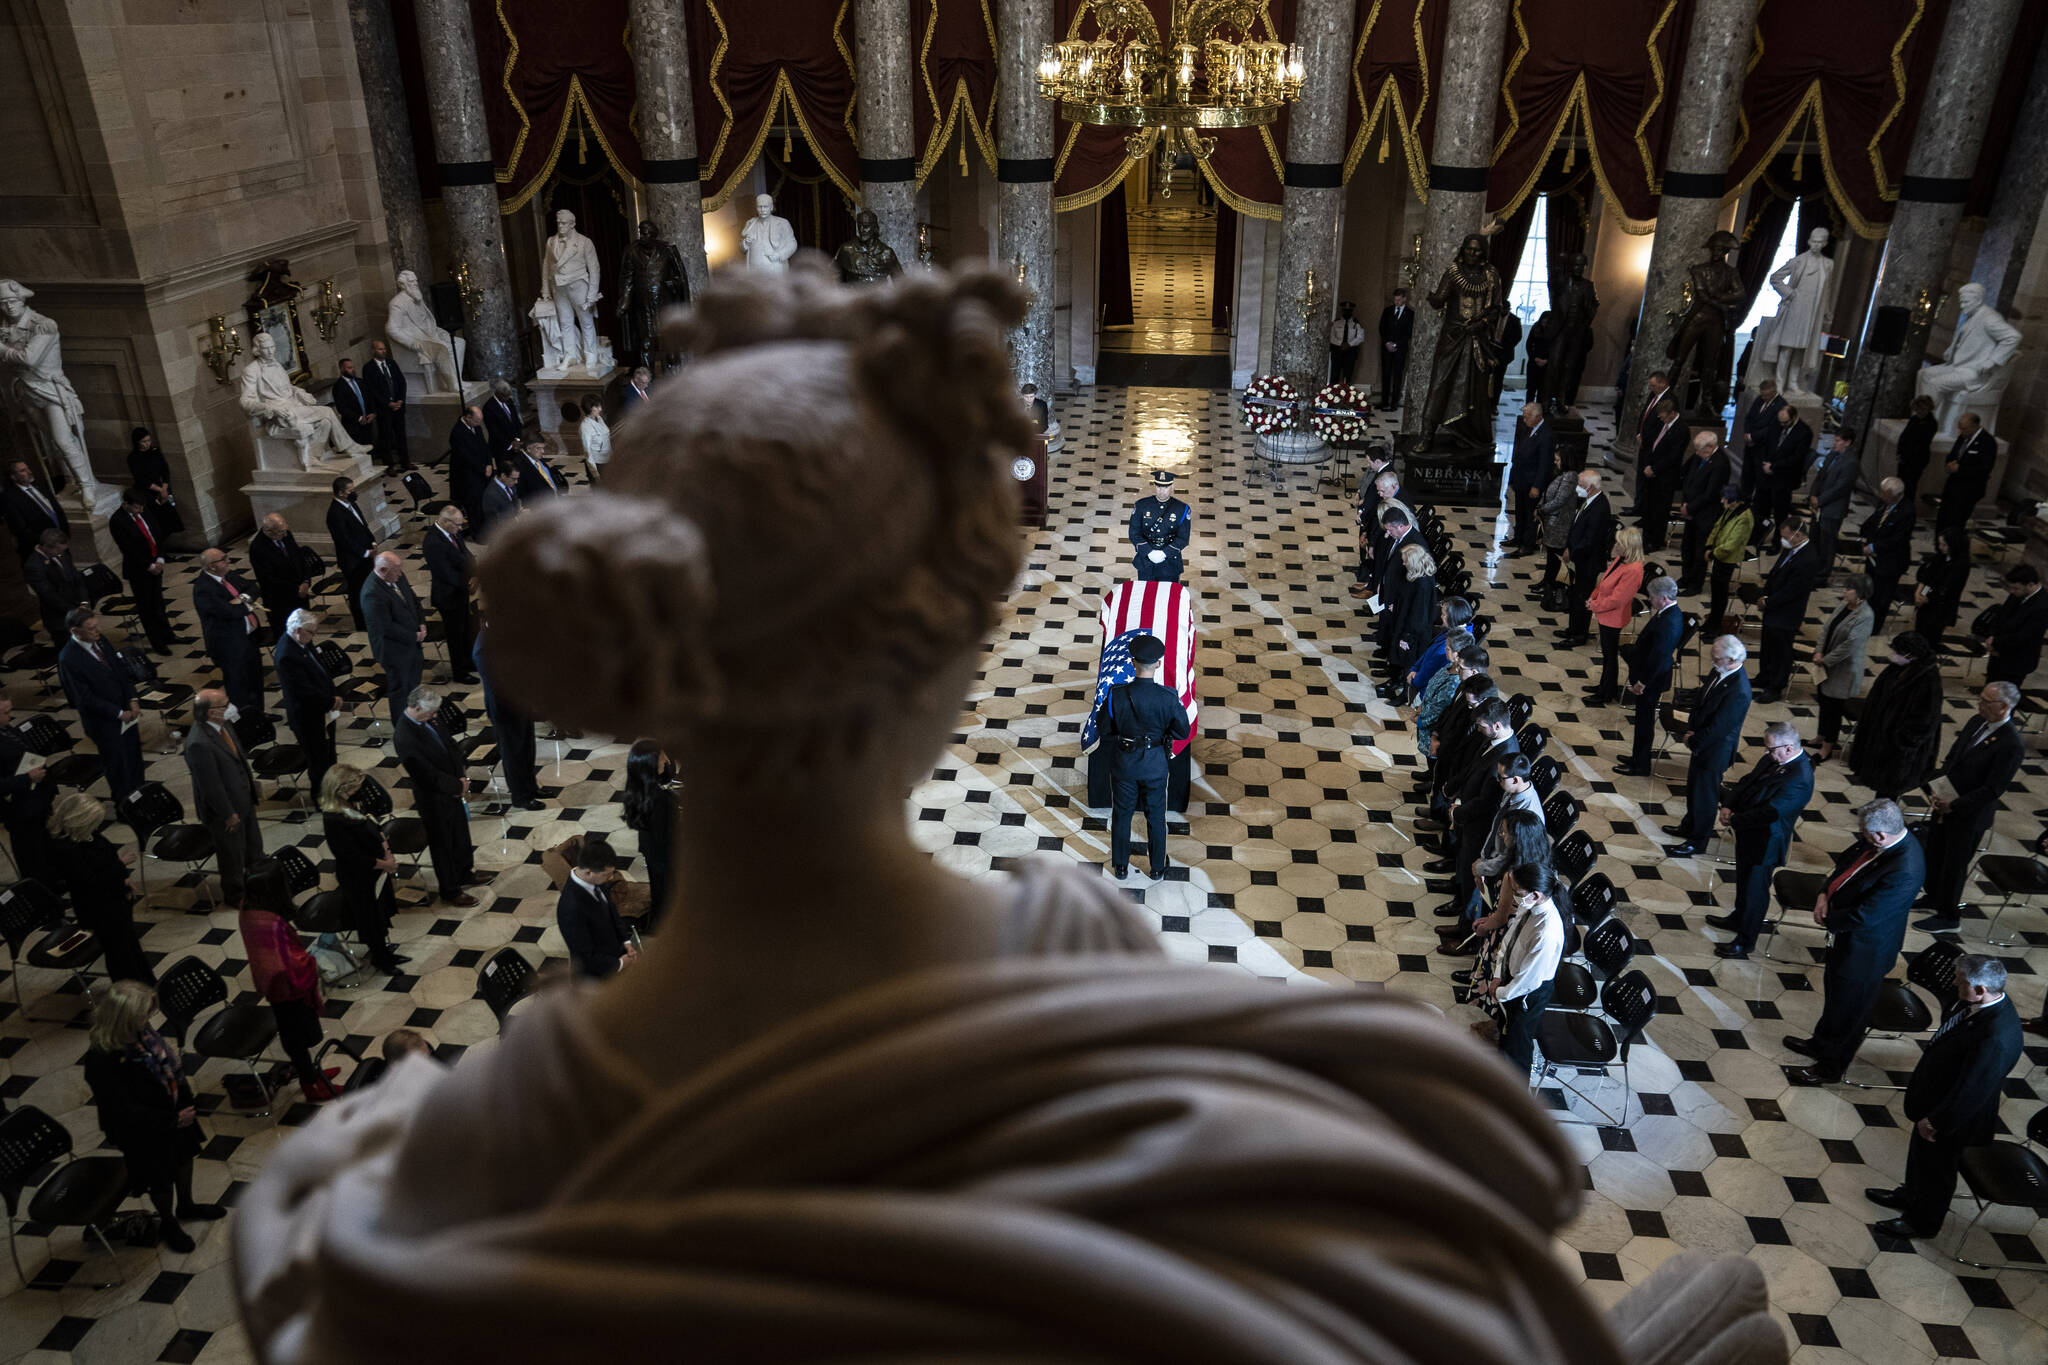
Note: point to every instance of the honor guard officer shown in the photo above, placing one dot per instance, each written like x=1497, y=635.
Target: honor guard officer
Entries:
x=1140, y=720
x=1159, y=531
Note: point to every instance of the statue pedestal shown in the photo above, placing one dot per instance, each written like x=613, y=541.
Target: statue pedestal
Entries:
x=302, y=496
x=419, y=384
x=1571, y=440
x=91, y=541
x=552, y=388
x=1456, y=474
x=428, y=420
x=1881, y=461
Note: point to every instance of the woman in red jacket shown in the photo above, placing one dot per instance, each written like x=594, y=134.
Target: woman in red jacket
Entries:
x=285, y=974
x=1613, y=602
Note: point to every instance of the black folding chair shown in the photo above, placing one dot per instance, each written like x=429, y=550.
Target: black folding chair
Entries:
x=84, y=1192
x=1594, y=899
x=1531, y=740
x=504, y=979
x=241, y=1031
x=155, y=812
x=27, y=908
x=2008, y=1173
x=1543, y=775
x=1572, y=856
x=1560, y=814
x=1520, y=706
x=1590, y=1044
x=326, y=915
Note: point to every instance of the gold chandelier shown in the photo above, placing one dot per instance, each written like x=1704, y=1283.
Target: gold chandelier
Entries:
x=1209, y=73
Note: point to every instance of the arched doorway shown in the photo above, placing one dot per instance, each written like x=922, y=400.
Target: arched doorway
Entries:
x=1160, y=241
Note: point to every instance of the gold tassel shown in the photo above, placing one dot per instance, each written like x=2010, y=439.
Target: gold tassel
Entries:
x=785, y=127
x=963, y=144
x=1383, y=141
x=582, y=141
x=1799, y=164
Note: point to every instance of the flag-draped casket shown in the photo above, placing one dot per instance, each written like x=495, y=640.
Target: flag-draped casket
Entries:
x=1166, y=610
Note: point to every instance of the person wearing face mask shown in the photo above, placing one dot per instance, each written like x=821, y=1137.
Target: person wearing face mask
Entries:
x=1554, y=514
x=355, y=544
x=1844, y=646
x=1887, y=547
x=1712, y=733
x=1727, y=548
x=1761, y=812
x=1589, y=543
x=1835, y=475
x=1523, y=968
x=223, y=792
x=1863, y=908
x=1468, y=659
x=1940, y=583
x=1981, y=765
x=1899, y=735
x=1783, y=604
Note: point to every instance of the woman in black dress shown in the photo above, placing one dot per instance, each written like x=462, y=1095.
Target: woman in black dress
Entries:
x=152, y=475
x=146, y=1108
x=1916, y=444
x=1412, y=607
x=651, y=813
x=1898, y=738
x=1943, y=576
x=97, y=875
x=363, y=864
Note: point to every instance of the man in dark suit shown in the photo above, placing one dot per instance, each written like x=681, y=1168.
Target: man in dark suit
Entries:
x=1648, y=420
x=1761, y=811
x=439, y=785
x=1952, y=1098
x=1783, y=467
x=1887, y=547
x=1836, y=473
x=384, y=387
x=501, y=417
x=1759, y=434
x=1969, y=471
x=499, y=503
x=1783, y=608
x=309, y=695
x=1650, y=663
x=450, y=568
x=1528, y=471
x=1704, y=480
x=1713, y=734
x=1397, y=532
x=142, y=566
x=354, y=544
x=228, y=621
x=54, y=578
x=353, y=402
x=1370, y=501
x=30, y=509
x=471, y=458
x=537, y=478
x=223, y=790
x=1588, y=544
x=591, y=928
x=1397, y=326
x=1474, y=803
x=396, y=627
x=635, y=391
x=103, y=694
x=1659, y=466
x=25, y=799
x=284, y=572
x=1864, y=910
x=1981, y=765
x=1139, y=720
x=513, y=730
x=2015, y=639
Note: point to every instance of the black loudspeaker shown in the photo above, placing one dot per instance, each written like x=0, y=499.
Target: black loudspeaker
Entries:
x=447, y=302
x=1887, y=332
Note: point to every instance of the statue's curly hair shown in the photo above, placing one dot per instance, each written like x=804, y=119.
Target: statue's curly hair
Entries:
x=798, y=532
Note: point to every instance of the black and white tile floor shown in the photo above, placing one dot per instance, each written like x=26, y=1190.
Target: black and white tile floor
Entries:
x=1294, y=861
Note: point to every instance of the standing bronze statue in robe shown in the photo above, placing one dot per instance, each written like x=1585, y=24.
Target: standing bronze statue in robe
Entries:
x=1572, y=338
x=1460, y=399
x=1708, y=324
x=867, y=259
x=651, y=279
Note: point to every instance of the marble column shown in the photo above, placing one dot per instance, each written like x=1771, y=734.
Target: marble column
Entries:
x=1694, y=184
x=1024, y=160
x=888, y=146
x=1960, y=89
x=2017, y=203
x=398, y=179
x=1475, y=32
x=1312, y=196
x=668, y=130
x=469, y=186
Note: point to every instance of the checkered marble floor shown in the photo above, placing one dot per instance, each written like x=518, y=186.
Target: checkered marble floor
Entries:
x=1294, y=861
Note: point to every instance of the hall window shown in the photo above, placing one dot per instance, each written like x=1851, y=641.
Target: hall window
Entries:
x=1529, y=295
x=1767, y=298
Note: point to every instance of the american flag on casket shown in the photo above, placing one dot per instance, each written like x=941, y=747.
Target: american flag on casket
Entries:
x=1166, y=610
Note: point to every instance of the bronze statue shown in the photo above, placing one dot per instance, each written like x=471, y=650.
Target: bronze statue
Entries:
x=1709, y=322
x=867, y=259
x=651, y=281
x=1574, y=306
x=1460, y=398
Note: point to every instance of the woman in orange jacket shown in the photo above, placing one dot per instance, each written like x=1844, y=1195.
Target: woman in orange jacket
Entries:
x=1613, y=602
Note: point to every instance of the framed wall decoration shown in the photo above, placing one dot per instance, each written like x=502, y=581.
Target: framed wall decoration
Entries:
x=274, y=310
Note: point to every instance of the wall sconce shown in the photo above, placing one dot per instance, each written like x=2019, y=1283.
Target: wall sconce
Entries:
x=472, y=297
x=1927, y=307
x=1684, y=304
x=329, y=311
x=924, y=243
x=227, y=344
x=1314, y=293
x=1022, y=273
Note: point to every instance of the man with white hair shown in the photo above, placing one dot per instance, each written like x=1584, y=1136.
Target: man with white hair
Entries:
x=1761, y=811
x=397, y=627
x=309, y=695
x=288, y=411
x=440, y=782
x=1863, y=907
x=1713, y=733
x=1981, y=765
x=1590, y=541
x=1650, y=662
x=1887, y=547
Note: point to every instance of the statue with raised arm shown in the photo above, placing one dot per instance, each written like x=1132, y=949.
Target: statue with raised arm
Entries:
x=410, y=323
x=287, y=411
x=568, y=280
x=651, y=281
x=768, y=241
x=36, y=389
x=1974, y=371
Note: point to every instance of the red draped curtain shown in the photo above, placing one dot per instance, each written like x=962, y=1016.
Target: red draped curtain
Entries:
x=1398, y=48
x=955, y=105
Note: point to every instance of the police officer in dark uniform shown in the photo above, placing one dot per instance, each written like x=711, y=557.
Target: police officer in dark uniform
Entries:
x=1139, y=719
x=1159, y=531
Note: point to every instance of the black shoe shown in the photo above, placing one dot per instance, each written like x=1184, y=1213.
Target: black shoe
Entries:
x=1679, y=832
x=1886, y=1199
x=1731, y=923
x=1803, y=1046
x=1462, y=977
x=1810, y=1076
x=1448, y=910
x=530, y=805
x=1734, y=952
x=466, y=679
x=388, y=963
x=1939, y=924
x=1630, y=770
x=476, y=878
x=1158, y=874
x=1441, y=886
x=1455, y=949
x=1684, y=850
x=201, y=1213
x=1900, y=1228
x=1440, y=866
x=1764, y=696
x=177, y=1239
x=1120, y=872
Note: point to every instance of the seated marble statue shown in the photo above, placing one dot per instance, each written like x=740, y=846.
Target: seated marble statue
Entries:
x=287, y=411
x=847, y=1104
x=1973, y=373
x=410, y=323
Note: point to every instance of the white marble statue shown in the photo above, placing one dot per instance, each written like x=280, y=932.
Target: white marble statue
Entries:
x=410, y=325
x=552, y=361
x=767, y=240
x=35, y=388
x=1789, y=348
x=569, y=284
x=1972, y=375
x=288, y=412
